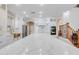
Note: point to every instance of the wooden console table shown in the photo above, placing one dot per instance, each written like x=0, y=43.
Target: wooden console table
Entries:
x=16, y=35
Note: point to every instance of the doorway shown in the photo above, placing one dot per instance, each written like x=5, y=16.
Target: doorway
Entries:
x=24, y=30
x=53, y=30
x=30, y=27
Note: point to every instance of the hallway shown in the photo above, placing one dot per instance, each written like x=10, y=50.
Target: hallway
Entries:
x=35, y=29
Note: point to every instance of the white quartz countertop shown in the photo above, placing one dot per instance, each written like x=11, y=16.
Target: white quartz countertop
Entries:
x=36, y=44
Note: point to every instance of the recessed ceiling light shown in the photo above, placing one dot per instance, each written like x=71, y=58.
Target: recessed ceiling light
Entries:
x=40, y=12
x=17, y=4
x=24, y=12
x=41, y=4
x=40, y=15
x=66, y=14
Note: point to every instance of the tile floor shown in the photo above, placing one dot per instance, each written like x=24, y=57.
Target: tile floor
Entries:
x=5, y=40
x=39, y=44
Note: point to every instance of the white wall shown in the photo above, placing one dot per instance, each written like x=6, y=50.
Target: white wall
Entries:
x=39, y=22
x=44, y=22
x=72, y=18
x=18, y=24
x=3, y=20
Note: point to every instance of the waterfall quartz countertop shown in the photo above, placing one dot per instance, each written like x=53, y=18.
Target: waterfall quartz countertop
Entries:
x=39, y=43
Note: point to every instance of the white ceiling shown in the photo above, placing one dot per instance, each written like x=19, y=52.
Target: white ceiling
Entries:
x=49, y=10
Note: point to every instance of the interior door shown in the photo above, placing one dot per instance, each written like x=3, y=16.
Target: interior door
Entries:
x=24, y=30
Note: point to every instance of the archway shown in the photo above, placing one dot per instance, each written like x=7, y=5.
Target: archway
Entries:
x=30, y=27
